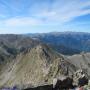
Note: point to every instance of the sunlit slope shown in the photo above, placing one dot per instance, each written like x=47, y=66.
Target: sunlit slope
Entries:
x=81, y=61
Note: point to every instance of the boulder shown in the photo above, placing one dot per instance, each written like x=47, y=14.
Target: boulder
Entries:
x=64, y=83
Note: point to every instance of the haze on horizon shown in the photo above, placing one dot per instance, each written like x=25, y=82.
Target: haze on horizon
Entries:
x=40, y=16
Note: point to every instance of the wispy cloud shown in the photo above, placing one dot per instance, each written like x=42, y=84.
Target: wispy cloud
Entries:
x=41, y=12
x=66, y=12
x=25, y=21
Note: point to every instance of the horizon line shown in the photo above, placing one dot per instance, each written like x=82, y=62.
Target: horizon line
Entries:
x=45, y=32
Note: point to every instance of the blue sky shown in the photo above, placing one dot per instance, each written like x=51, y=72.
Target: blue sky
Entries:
x=33, y=16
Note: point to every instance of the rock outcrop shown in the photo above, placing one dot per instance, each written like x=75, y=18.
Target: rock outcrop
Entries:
x=80, y=78
x=64, y=83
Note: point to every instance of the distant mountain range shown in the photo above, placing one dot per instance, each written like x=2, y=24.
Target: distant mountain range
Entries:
x=67, y=43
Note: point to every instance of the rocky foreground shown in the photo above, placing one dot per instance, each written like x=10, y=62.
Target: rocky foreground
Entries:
x=66, y=83
x=78, y=81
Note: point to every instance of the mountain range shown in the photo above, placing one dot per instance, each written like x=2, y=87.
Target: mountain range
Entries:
x=67, y=43
x=36, y=59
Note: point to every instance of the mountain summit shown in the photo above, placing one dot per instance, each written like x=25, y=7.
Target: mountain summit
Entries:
x=39, y=65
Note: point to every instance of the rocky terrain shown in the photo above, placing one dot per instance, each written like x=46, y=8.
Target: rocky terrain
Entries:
x=37, y=66
x=27, y=62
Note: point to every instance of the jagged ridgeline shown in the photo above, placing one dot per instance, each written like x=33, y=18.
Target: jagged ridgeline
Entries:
x=24, y=61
